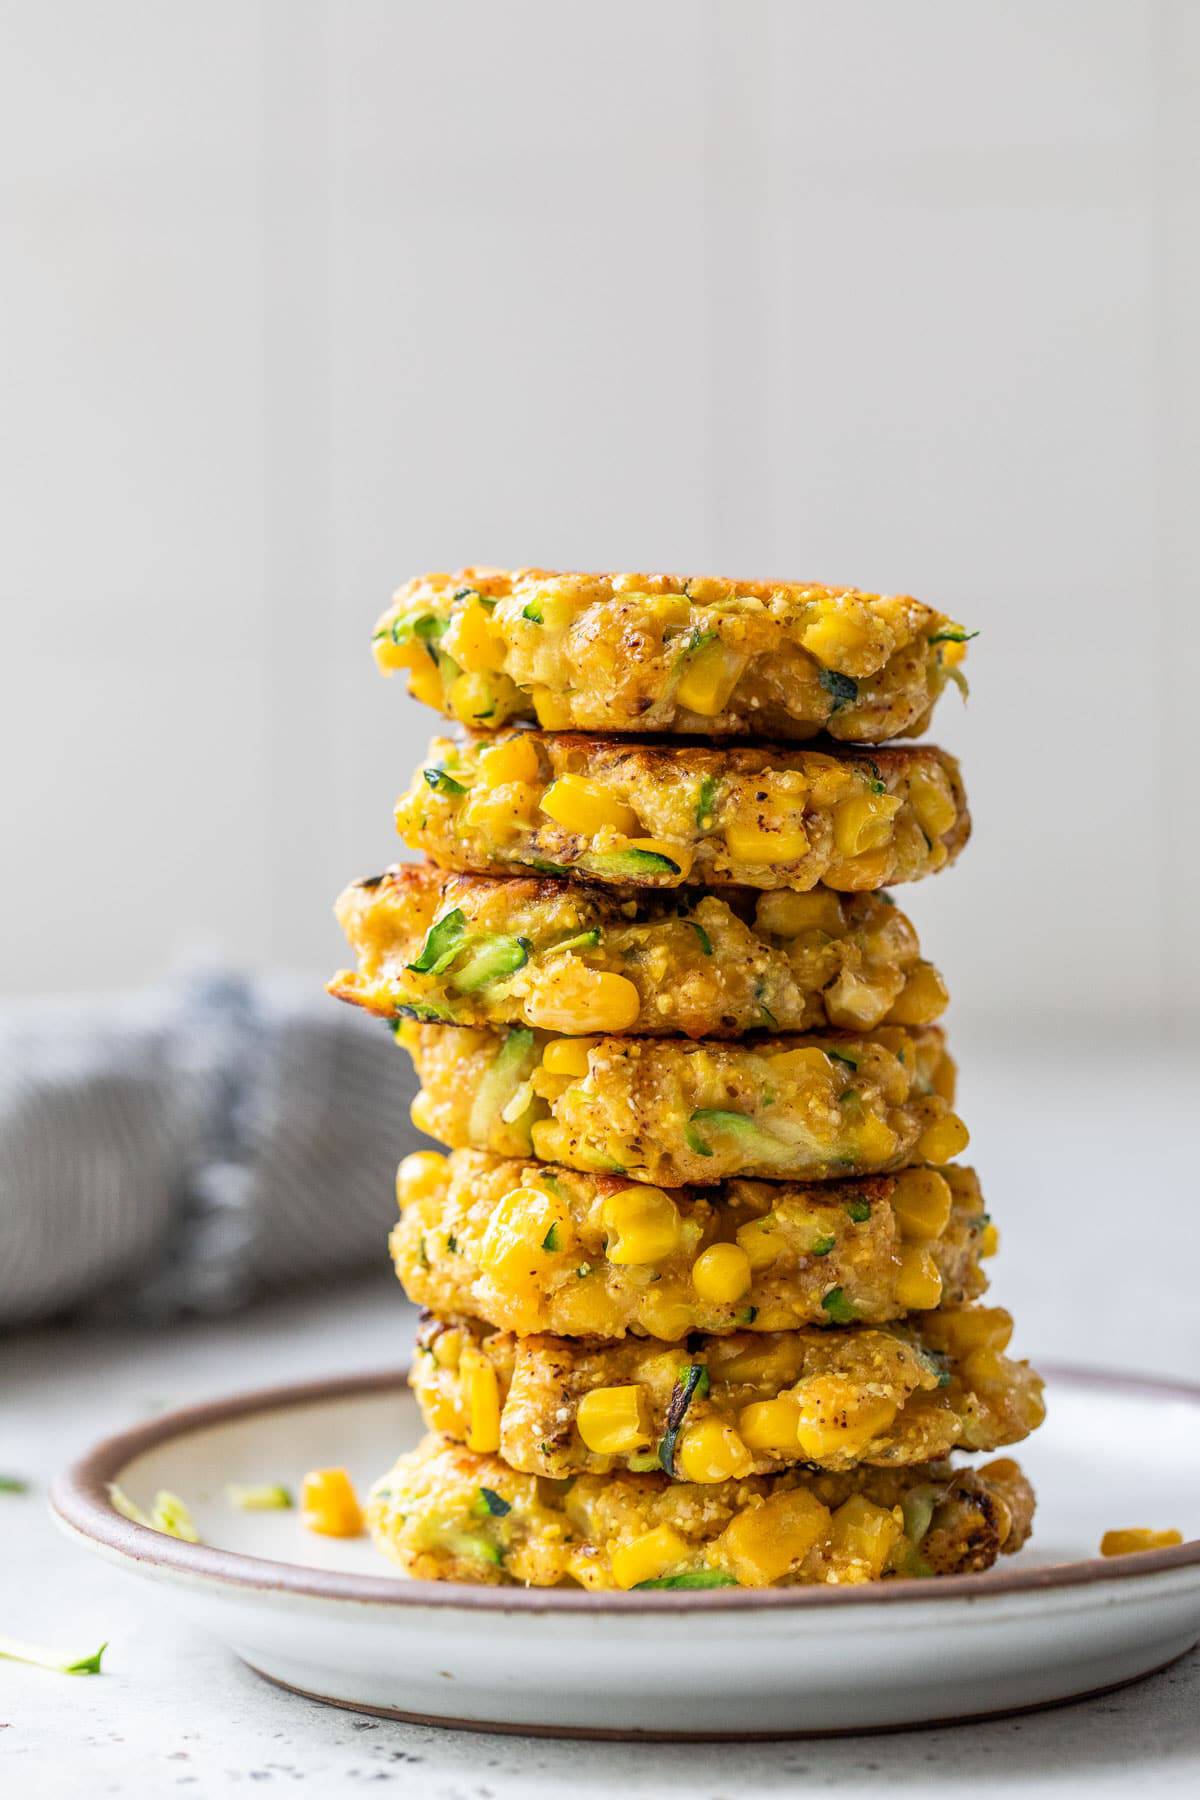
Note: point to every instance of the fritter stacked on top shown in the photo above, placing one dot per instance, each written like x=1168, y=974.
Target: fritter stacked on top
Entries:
x=701, y=1268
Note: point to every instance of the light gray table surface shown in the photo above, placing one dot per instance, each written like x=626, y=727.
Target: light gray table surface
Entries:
x=1098, y=1264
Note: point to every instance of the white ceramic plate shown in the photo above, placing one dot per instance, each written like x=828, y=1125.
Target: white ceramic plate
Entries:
x=333, y=1620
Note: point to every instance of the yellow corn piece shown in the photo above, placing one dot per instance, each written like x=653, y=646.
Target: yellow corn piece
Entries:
x=647, y=1557
x=470, y=640
x=570, y=997
x=709, y=679
x=643, y=1225
x=329, y=1504
x=420, y=1176
x=922, y=1202
x=712, y=1451
x=390, y=656
x=975, y=1328
x=553, y=714
x=932, y=802
x=946, y=1138
x=989, y=1241
x=785, y=914
x=472, y=699
x=919, y=1281
x=527, y=1226
x=752, y=842
x=864, y=822
x=923, y=998
x=762, y=1543
x=568, y=1056
x=865, y=1533
x=612, y=1420
x=513, y=759
x=873, y=1141
x=771, y=1425
x=1131, y=1539
x=838, y=1419
x=587, y=807
x=722, y=1274
x=759, y=1240
x=499, y=811
x=483, y=1400
x=425, y=682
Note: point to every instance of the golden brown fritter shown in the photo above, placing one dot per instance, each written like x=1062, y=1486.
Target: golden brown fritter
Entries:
x=678, y=1113
x=639, y=815
x=725, y=1407
x=448, y=1514
x=661, y=653
x=532, y=1248
x=476, y=950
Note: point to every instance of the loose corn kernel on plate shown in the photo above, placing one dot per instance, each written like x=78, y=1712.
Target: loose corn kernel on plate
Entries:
x=661, y=653
x=335, y=1619
x=528, y=1247
x=676, y=1113
x=575, y=958
x=658, y=815
x=722, y=1408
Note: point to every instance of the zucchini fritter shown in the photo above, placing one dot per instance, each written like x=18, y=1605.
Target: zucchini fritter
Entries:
x=447, y=1514
x=658, y=653
x=531, y=1248
x=474, y=950
x=658, y=815
x=674, y=1112
x=727, y=1407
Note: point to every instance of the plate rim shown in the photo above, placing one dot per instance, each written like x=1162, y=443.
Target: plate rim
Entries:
x=79, y=1501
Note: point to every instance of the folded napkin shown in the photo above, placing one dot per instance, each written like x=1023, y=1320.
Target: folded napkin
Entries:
x=190, y=1147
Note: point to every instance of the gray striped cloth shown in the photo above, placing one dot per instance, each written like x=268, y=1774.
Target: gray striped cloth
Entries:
x=189, y=1148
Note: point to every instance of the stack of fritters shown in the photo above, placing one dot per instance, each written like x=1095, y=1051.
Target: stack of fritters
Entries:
x=700, y=1269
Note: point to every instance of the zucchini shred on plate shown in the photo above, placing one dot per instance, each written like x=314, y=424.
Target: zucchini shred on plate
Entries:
x=701, y=1272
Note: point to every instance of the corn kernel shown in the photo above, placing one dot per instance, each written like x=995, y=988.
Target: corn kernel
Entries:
x=947, y=1137
x=1138, y=1537
x=612, y=1420
x=643, y=1225
x=329, y=1504
x=802, y=1066
x=472, y=699
x=873, y=1142
x=498, y=812
x=722, y=1274
x=919, y=1280
x=855, y=874
x=923, y=998
x=759, y=1240
x=712, y=1451
x=864, y=1533
x=989, y=1240
x=709, y=679
x=553, y=713
x=932, y=802
x=420, y=1176
x=448, y=1348
x=587, y=807
x=483, y=1400
x=665, y=1317
x=785, y=914
x=647, y=1557
x=391, y=656
x=837, y=1419
x=922, y=1203
x=762, y=1543
x=570, y=997
x=754, y=843
x=567, y=1056
x=838, y=635
x=470, y=640
x=527, y=1225
x=513, y=759
x=975, y=1327
x=425, y=683
x=953, y=655
x=771, y=1424
x=864, y=822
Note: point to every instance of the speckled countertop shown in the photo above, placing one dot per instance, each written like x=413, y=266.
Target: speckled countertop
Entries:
x=175, y=1712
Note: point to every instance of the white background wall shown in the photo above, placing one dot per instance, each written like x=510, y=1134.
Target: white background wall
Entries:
x=303, y=298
